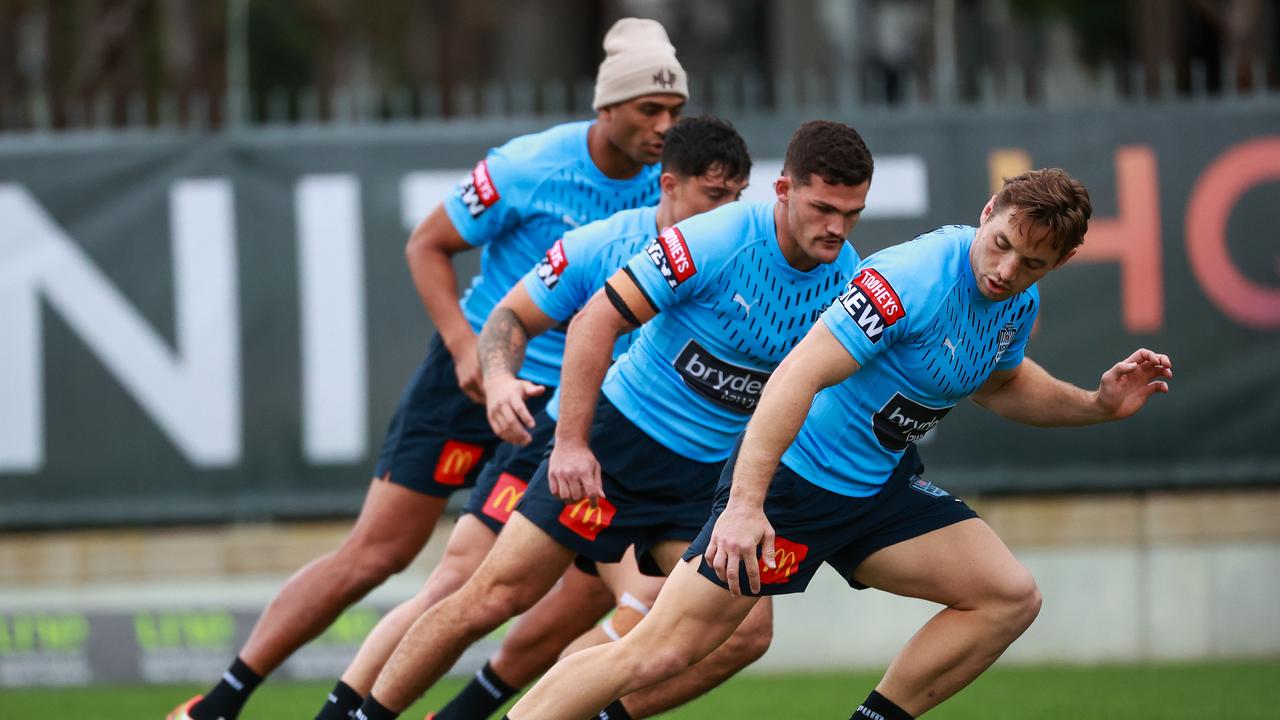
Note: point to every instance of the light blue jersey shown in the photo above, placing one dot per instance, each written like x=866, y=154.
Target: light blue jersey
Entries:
x=579, y=264
x=925, y=338
x=518, y=201
x=730, y=307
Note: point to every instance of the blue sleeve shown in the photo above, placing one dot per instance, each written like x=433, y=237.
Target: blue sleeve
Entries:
x=1011, y=356
x=560, y=284
x=870, y=315
x=680, y=260
x=488, y=200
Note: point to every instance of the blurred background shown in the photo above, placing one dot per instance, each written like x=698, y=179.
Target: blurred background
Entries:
x=166, y=63
x=206, y=321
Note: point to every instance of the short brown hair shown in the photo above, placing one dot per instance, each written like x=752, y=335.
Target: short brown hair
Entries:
x=1050, y=199
x=833, y=151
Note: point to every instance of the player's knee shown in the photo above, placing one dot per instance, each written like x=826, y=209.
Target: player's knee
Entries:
x=653, y=664
x=626, y=616
x=450, y=575
x=750, y=642
x=493, y=605
x=753, y=645
x=1019, y=600
x=383, y=561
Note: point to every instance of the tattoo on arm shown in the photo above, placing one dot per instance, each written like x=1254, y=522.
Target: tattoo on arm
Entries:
x=502, y=342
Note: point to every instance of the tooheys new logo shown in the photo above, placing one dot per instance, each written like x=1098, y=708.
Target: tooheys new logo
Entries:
x=670, y=253
x=552, y=265
x=478, y=191
x=729, y=386
x=872, y=303
x=903, y=420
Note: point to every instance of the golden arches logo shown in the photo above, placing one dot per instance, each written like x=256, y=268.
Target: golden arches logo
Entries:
x=507, y=499
x=504, y=497
x=787, y=556
x=586, y=520
x=456, y=460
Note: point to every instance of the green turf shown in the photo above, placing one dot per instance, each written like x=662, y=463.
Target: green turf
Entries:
x=1240, y=690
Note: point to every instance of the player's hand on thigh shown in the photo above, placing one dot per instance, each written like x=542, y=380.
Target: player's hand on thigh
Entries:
x=573, y=473
x=505, y=406
x=739, y=530
x=1125, y=388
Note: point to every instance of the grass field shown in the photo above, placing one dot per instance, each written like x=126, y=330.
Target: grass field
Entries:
x=1239, y=691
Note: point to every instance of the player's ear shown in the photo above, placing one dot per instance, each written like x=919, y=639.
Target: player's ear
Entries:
x=782, y=188
x=1063, y=260
x=987, y=210
x=667, y=182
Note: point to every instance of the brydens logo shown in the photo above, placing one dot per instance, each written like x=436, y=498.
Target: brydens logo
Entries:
x=729, y=386
x=588, y=521
x=456, y=460
x=478, y=191
x=872, y=303
x=670, y=253
x=787, y=557
x=901, y=421
x=552, y=265
x=504, y=497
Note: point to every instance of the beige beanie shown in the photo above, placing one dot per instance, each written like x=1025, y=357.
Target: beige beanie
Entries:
x=639, y=60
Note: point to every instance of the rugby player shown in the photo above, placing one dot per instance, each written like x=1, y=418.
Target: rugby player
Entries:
x=729, y=292
x=705, y=164
x=921, y=326
x=515, y=203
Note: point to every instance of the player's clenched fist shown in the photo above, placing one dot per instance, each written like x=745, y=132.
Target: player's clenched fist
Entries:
x=573, y=473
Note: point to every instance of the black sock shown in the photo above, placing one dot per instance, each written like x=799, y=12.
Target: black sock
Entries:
x=879, y=707
x=342, y=703
x=480, y=698
x=614, y=711
x=373, y=710
x=228, y=697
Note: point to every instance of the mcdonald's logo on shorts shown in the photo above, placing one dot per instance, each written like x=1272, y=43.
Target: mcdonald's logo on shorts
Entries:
x=588, y=521
x=456, y=460
x=504, y=496
x=787, y=557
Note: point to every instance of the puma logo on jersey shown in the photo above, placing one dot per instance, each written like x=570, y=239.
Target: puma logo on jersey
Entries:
x=746, y=306
x=952, y=347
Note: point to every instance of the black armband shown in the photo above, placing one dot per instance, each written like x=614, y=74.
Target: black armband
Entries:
x=620, y=305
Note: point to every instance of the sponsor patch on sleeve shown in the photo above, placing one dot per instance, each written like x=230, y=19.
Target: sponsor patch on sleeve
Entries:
x=670, y=253
x=552, y=265
x=478, y=190
x=872, y=303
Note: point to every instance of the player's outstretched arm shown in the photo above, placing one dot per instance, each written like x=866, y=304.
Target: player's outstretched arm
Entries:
x=429, y=253
x=819, y=361
x=1029, y=394
x=501, y=347
x=618, y=308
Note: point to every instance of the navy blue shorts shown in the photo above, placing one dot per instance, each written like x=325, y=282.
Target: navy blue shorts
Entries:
x=438, y=439
x=652, y=495
x=813, y=525
x=503, y=480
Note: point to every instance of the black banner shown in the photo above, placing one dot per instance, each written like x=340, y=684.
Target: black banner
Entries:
x=218, y=327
